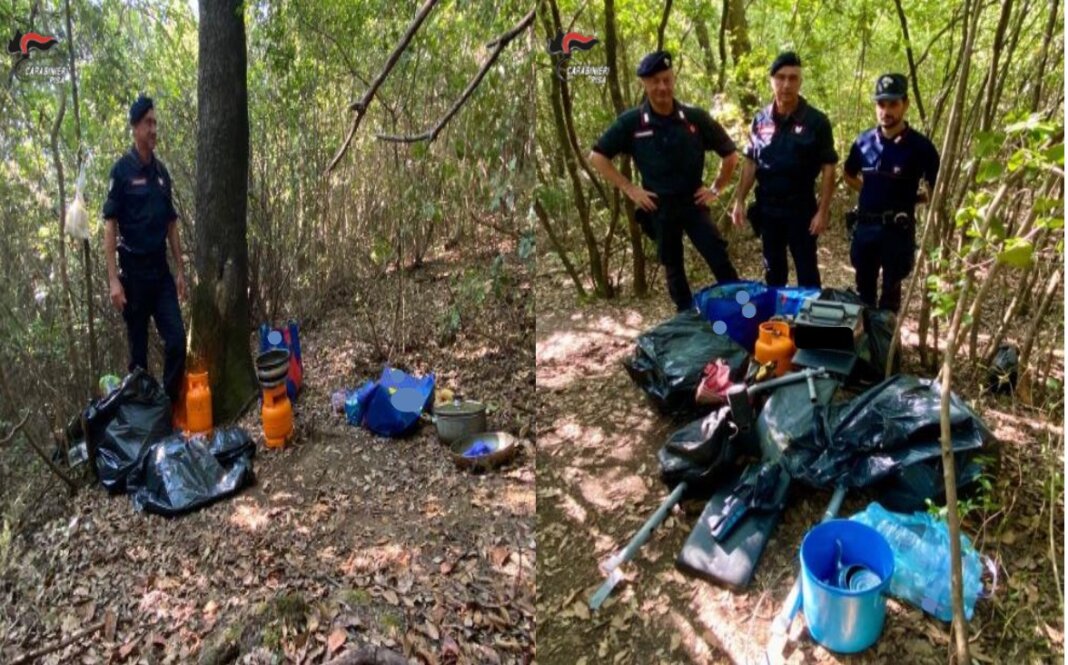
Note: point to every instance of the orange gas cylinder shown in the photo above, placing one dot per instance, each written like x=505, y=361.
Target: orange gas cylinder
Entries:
x=197, y=403
x=277, y=416
x=774, y=343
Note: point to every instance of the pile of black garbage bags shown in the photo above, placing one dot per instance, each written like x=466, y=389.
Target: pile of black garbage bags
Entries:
x=879, y=435
x=135, y=450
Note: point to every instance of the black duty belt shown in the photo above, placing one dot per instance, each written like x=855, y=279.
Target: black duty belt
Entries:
x=675, y=200
x=887, y=217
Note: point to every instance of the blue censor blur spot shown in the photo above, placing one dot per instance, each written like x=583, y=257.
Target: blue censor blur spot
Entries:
x=742, y=297
x=408, y=399
x=719, y=327
x=749, y=311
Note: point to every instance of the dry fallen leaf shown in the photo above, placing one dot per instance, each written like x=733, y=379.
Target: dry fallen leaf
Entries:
x=336, y=639
x=110, y=624
x=126, y=649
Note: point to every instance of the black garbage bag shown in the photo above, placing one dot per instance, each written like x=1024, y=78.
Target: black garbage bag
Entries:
x=122, y=424
x=906, y=489
x=669, y=359
x=702, y=453
x=178, y=475
x=891, y=426
x=873, y=345
x=787, y=415
x=1004, y=371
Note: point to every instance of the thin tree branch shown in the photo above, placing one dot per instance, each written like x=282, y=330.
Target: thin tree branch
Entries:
x=498, y=45
x=43, y=651
x=11, y=435
x=360, y=105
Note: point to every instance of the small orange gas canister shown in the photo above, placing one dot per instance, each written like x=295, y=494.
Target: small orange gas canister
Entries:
x=774, y=343
x=277, y=416
x=197, y=403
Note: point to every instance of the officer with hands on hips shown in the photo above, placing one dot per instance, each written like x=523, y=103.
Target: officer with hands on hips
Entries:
x=668, y=141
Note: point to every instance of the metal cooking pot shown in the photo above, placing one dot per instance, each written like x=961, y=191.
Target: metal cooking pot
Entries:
x=459, y=418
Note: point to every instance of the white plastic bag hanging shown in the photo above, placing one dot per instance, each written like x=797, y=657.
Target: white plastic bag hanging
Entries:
x=77, y=217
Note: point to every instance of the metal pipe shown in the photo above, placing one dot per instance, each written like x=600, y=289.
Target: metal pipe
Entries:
x=611, y=566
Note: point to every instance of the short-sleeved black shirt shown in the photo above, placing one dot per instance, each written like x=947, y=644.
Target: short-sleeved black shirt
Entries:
x=892, y=169
x=669, y=151
x=140, y=199
x=790, y=151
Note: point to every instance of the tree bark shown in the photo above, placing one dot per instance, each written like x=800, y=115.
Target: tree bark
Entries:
x=942, y=185
x=220, y=322
x=663, y=26
x=1025, y=285
x=560, y=100
x=86, y=254
x=1040, y=314
x=912, y=63
x=705, y=41
x=1051, y=24
x=738, y=28
x=724, y=13
x=949, y=478
x=561, y=249
x=64, y=298
x=641, y=287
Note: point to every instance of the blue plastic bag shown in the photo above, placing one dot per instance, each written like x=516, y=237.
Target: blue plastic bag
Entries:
x=788, y=299
x=921, y=560
x=394, y=405
x=356, y=402
x=737, y=309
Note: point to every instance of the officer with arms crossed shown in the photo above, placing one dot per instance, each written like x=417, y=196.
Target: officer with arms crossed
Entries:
x=140, y=219
x=668, y=141
x=790, y=144
x=886, y=165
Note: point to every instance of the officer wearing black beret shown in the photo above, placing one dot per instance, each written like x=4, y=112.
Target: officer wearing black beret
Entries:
x=140, y=219
x=790, y=145
x=886, y=164
x=667, y=141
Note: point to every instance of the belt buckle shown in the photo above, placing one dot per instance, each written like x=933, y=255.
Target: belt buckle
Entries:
x=901, y=218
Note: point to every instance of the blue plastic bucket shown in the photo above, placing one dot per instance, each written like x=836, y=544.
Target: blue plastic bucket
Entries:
x=844, y=620
x=736, y=309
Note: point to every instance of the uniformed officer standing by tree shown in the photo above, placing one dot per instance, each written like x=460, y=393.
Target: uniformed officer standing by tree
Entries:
x=790, y=144
x=140, y=219
x=886, y=165
x=668, y=141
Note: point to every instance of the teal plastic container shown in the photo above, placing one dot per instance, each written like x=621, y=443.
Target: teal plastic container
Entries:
x=841, y=619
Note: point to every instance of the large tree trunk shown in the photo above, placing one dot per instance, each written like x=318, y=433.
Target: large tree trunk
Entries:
x=220, y=328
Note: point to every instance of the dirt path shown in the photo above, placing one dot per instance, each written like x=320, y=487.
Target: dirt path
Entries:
x=346, y=539
x=598, y=481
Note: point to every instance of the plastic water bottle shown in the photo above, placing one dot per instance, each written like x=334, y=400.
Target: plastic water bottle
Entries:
x=921, y=560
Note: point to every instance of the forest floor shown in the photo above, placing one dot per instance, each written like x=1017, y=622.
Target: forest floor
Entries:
x=346, y=540
x=598, y=480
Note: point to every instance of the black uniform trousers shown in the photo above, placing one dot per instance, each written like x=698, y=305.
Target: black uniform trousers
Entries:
x=887, y=247
x=666, y=225
x=151, y=293
x=782, y=229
